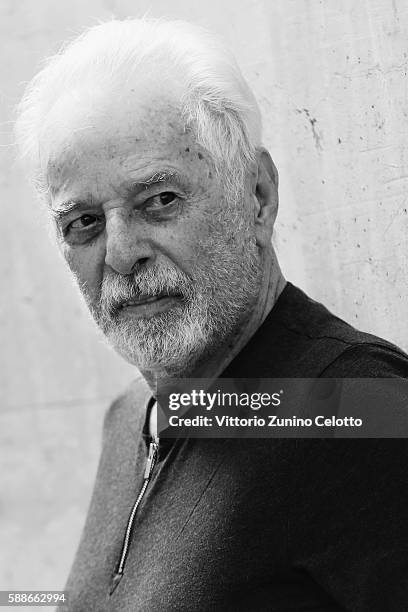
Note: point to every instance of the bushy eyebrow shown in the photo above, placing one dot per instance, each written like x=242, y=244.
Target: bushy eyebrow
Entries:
x=162, y=176
x=69, y=206
x=131, y=190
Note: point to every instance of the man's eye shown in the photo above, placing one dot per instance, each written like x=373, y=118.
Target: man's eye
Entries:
x=161, y=200
x=86, y=221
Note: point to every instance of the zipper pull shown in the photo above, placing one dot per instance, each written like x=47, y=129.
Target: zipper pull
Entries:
x=151, y=460
x=115, y=581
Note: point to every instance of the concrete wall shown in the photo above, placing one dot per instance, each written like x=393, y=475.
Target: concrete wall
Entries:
x=331, y=78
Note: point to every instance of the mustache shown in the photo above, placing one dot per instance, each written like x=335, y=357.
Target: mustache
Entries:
x=117, y=289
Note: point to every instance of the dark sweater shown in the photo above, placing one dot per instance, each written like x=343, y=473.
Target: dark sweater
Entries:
x=268, y=524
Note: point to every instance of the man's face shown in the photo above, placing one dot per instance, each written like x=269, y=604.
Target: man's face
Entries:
x=168, y=267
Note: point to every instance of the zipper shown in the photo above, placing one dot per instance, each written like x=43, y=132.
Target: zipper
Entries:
x=150, y=463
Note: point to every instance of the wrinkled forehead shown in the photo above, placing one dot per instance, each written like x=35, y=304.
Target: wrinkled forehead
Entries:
x=81, y=126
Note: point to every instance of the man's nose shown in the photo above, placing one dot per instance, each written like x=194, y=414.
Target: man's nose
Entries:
x=127, y=243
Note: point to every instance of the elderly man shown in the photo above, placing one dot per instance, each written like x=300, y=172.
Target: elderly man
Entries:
x=146, y=143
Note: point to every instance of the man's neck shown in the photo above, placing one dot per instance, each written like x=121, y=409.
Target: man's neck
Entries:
x=272, y=286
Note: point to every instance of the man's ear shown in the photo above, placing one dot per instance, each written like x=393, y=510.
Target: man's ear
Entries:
x=265, y=193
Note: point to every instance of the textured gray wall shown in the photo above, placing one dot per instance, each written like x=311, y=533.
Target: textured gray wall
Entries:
x=331, y=78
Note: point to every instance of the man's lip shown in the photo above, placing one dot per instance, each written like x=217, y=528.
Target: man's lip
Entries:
x=147, y=299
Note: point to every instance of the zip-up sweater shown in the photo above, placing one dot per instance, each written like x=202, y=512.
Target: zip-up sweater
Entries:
x=253, y=524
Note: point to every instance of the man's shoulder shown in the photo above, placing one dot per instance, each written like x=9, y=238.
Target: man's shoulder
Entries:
x=351, y=352
x=307, y=317
x=301, y=338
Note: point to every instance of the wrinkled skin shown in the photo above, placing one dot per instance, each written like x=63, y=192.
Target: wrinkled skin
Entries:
x=140, y=211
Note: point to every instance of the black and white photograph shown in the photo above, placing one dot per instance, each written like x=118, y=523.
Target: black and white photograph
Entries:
x=204, y=316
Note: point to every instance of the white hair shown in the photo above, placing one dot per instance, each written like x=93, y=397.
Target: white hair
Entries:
x=216, y=104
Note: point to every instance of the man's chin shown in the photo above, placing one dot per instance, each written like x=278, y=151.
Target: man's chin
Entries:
x=156, y=343
x=153, y=359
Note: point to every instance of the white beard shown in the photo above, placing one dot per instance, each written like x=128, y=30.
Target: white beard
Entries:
x=214, y=304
